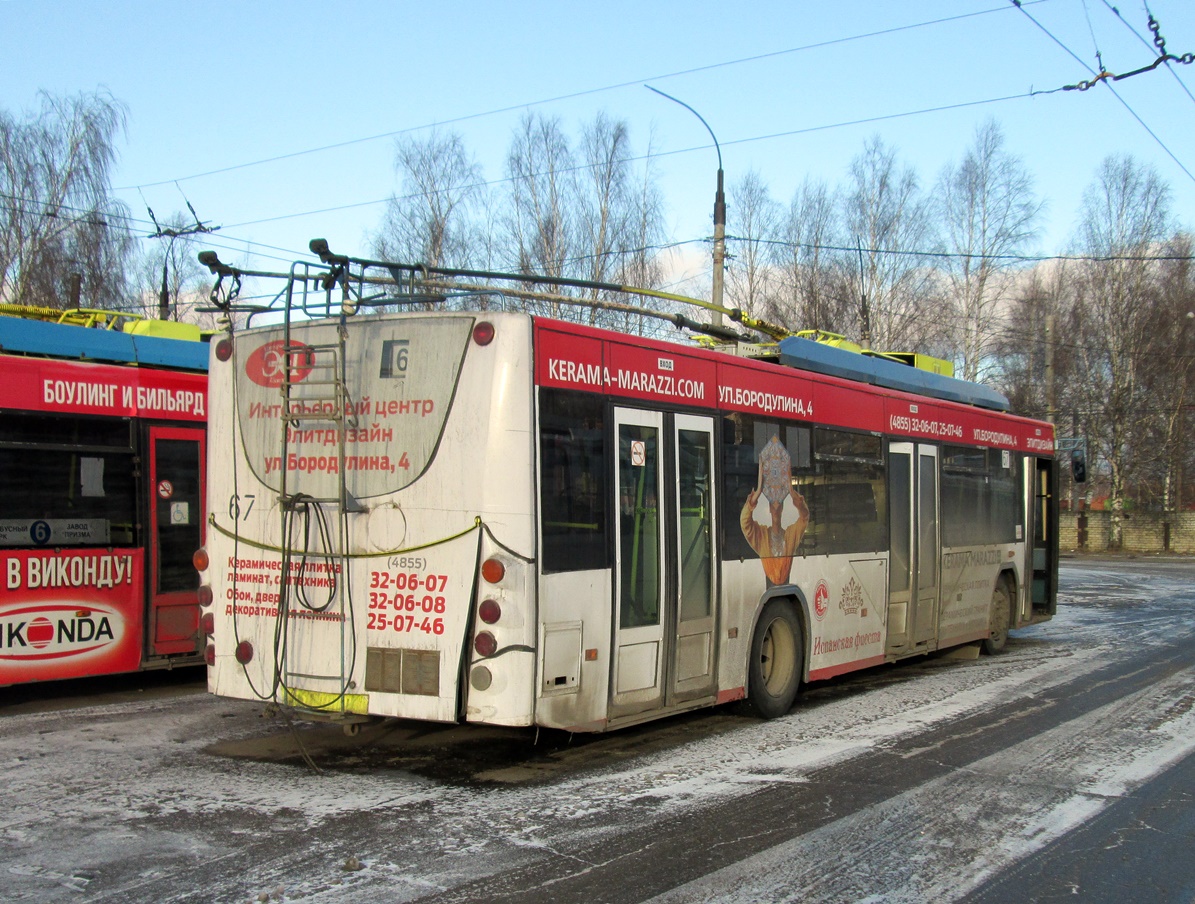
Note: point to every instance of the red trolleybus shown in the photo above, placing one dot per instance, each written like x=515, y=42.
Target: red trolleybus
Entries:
x=102, y=480
x=496, y=517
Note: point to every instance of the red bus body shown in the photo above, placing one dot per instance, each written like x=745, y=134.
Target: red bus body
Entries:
x=102, y=467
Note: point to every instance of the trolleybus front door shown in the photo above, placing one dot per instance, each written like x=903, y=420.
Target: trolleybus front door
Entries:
x=915, y=546
x=693, y=656
x=664, y=580
x=176, y=489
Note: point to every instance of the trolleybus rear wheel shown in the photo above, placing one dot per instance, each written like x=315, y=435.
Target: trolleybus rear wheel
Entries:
x=1000, y=618
x=775, y=668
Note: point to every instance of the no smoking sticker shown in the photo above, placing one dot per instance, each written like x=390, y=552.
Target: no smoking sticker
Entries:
x=165, y=489
x=638, y=453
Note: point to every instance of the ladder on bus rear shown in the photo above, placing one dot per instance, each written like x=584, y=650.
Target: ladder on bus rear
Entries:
x=314, y=394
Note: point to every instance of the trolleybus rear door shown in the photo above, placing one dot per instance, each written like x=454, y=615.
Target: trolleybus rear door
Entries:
x=176, y=494
x=925, y=618
x=901, y=532
x=915, y=546
x=639, y=566
x=693, y=656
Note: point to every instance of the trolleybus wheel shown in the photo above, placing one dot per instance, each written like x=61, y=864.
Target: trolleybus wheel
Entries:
x=775, y=668
x=1000, y=618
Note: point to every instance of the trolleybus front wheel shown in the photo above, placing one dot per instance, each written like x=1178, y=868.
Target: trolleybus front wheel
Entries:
x=1001, y=616
x=775, y=668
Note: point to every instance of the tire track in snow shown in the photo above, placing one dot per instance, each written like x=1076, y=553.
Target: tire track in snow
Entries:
x=942, y=839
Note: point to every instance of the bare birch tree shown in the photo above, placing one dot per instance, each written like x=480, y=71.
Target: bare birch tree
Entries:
x=430, y=221
x=540, y=222
x=752, y=217
x=57, y=215
x=885, y=212
x=1125, y=219
x=1166, y=450
x=988, y=213
x=1043, y=296
x=619, y=218
x=809, y=294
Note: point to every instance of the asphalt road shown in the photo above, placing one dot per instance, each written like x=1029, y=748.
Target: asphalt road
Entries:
x=1062, y=768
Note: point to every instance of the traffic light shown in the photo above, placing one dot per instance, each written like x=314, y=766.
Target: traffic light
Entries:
x=1078, y=466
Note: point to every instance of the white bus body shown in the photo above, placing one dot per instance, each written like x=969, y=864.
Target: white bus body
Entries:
x=495, y=518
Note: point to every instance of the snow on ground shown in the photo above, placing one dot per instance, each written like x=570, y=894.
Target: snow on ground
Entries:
x=999, y=809
x=112, y=801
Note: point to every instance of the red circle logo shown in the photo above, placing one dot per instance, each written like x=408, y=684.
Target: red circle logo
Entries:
x=821, y=600
x=40, y=632
x=268, y=364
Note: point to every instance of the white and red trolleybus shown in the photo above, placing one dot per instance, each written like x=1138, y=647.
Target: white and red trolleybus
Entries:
x=101, y=494
x=501, y=518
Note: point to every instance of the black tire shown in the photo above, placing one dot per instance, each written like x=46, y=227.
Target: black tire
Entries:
x=777, y=655
x=999, y=619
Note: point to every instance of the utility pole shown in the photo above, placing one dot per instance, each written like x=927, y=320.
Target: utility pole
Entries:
x=171, y=233
x=864, y=309
x=719, y=243
x=717, y=288
x=1051, y=410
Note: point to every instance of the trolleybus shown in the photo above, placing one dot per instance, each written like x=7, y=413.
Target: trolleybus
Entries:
x=426, y=511
x=102, y=464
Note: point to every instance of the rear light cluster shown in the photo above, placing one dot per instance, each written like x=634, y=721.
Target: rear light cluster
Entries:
x=493, y=570
x=485, y=643
x=207, y=617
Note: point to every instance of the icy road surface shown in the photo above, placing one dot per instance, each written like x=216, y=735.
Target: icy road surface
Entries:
x=1056, y=770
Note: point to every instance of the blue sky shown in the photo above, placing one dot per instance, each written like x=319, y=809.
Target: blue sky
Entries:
x=217, y=85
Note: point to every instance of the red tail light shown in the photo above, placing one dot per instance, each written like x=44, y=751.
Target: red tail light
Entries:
x=200, y=560
x=207, y=624
x=493, y=570
x=489, y=611
x=244, y=652
x=485, y=644
x=205, y=595
x=483, y=333
x=224, y=349
x=209, y=655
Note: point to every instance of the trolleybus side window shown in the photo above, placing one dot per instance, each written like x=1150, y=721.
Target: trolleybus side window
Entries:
x=1008, y=508
x=846, y=493
x=744, y=440
x=981, y=497
x=66, y=481
x=572, y=442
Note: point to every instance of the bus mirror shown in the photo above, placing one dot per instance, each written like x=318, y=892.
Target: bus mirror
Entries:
x=1078, y=466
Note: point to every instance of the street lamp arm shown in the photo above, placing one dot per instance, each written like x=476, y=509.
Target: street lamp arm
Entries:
x=717, y=147
x=716, y=288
